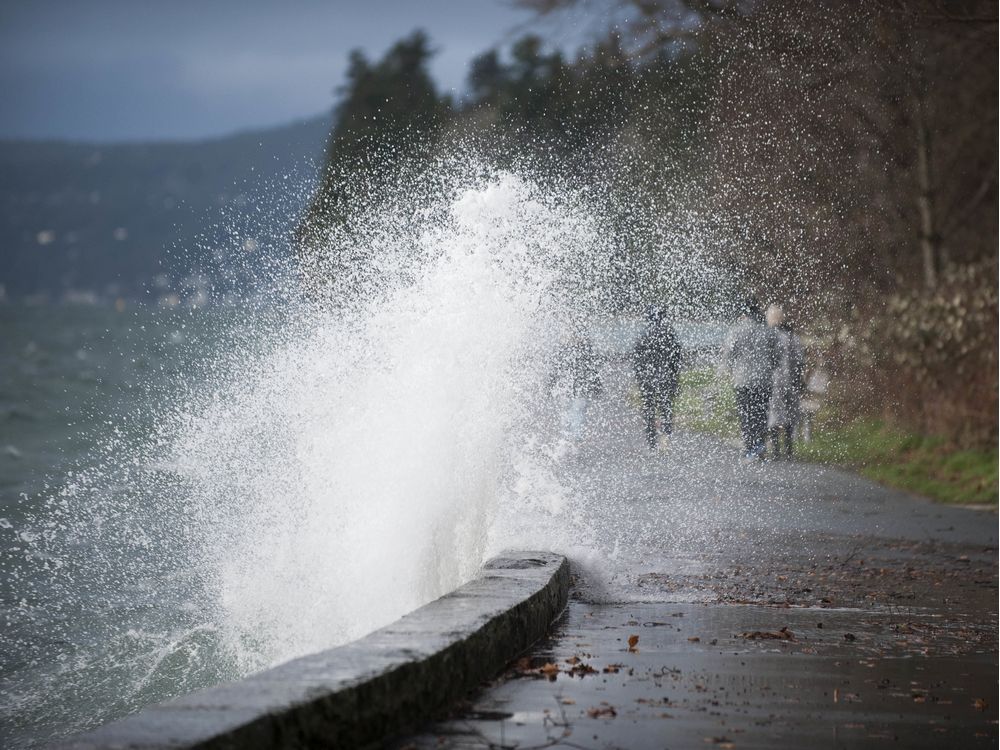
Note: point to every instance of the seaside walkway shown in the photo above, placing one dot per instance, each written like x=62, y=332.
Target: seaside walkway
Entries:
x=753, y=606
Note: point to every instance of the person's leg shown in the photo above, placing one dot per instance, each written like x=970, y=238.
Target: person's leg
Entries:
x=758, y=419
x=576, y=417
x=775, y=445
x=743, y=409
x=667, y=410
x=789, y=432
x=649, y=415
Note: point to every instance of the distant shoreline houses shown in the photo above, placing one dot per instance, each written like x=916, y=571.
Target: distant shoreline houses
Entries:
x=193, y=293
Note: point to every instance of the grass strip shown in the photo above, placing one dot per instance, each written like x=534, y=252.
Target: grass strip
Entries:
x=926, y=465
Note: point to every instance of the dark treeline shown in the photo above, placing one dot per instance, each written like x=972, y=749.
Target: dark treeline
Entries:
x=636, y=128
x=530, y=102
x=843, y=156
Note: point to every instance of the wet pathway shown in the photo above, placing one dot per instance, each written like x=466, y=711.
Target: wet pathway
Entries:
x=735, y=676
x=735, y=606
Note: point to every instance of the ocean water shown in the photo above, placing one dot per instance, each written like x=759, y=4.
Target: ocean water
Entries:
x=67, y=372
x=85, y=622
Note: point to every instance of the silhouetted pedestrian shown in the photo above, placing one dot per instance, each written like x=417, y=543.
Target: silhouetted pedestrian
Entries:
x=752, y=355
x=657, y=361
x=787, y=383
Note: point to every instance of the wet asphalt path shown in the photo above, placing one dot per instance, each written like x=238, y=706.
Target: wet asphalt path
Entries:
x=776, y=605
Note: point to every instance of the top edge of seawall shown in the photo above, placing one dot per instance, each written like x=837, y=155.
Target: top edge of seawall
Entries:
x=360, y=693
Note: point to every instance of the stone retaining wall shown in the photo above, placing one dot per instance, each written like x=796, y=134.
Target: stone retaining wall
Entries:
x=358, y=694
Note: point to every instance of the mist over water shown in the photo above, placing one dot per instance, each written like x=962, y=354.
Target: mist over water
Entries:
x=327, y=469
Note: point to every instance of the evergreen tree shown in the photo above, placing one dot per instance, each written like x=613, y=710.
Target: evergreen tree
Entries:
x=388, y=111
x=488, y=78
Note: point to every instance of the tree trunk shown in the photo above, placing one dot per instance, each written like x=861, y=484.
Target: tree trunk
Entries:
x=930, y=237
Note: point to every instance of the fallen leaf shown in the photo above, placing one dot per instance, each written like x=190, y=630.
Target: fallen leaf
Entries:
x=573, y=660
x=694, y=639
x=602, y=711
x=633, y=640
x=579, y=670
x=979, y=704
x=549, y=669
x=778, y=635
x=568, y=702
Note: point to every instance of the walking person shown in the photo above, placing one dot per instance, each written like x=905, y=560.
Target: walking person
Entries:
x=657, y=361
x=752, y=355
x=579, y=367
x=787, y=383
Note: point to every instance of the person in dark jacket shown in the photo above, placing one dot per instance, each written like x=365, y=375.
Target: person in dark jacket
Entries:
x=751, y=352
x=657, y=361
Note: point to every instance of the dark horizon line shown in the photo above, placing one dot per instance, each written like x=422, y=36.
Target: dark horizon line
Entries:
x=8, y=140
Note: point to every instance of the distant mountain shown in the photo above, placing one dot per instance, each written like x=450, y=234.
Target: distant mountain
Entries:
x=125, y=219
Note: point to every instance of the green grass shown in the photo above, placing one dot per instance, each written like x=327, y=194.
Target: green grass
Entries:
x=925, y=465
x=706, y=403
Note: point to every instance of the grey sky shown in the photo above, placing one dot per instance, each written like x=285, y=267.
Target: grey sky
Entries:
x=139, y=69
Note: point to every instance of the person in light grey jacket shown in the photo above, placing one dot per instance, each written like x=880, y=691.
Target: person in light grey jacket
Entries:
x=752, y=355
x=786, y=383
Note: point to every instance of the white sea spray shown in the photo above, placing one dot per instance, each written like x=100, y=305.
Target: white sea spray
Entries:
x=362, y=433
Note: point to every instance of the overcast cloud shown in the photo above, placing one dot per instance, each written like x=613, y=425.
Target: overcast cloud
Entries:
x=112, y=70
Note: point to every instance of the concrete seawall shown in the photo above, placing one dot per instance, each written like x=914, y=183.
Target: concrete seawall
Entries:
x=358, y=694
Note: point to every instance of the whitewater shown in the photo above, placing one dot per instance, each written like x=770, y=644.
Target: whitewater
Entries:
x=340, y=461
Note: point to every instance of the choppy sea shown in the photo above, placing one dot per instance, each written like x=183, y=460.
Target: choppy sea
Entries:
x=74, y=649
